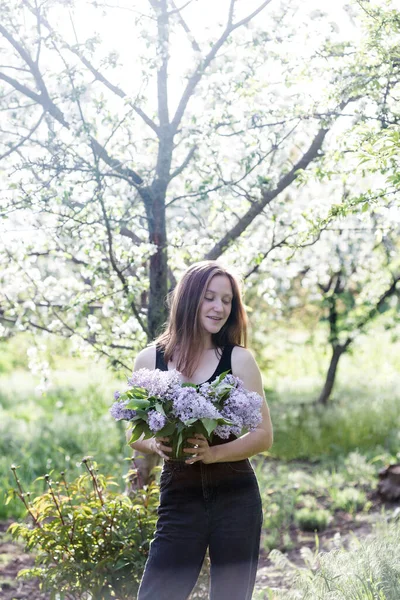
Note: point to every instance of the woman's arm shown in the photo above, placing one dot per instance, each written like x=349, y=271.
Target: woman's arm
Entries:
x=245, y=367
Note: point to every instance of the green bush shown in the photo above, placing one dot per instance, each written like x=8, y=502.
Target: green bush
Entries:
x=89, y=540
x=312, y=519
x=349, y=499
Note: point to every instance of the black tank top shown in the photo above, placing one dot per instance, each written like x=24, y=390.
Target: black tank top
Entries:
x=224, y=364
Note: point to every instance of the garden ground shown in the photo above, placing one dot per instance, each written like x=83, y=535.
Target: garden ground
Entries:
x=13, y=558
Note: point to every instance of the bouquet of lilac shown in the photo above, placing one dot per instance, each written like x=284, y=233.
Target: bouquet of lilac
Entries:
x=157, y=404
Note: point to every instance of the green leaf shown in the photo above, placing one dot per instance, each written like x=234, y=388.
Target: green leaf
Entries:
x=190, y=421
x=147, y=432
x=140, y=414
x=210, y=425
x=137, y=403
x=179, y=443
x=159, y=408
x=137, y=432
x=220, y=378
x=194, y=385
x=168, y=429
x=135, y=392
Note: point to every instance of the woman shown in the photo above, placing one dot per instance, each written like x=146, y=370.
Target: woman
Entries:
x=211, y=499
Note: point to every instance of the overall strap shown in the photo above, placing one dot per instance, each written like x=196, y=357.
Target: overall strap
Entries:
x=225, y=363
x=160, y=362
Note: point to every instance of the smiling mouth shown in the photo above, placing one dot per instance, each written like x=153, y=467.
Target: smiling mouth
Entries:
x=215, y=318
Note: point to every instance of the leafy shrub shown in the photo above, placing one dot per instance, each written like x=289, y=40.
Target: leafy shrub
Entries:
x=349, y=499
x=91, y=542
x=312, y=519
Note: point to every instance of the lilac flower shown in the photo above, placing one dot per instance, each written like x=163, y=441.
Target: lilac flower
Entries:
x=155, y=420
x=224, y=431
x=156, y=383
x=116, y=395
x=205, y=389
x=191, y=405
x=118, y=411
x=243, y=408
x=232, y=380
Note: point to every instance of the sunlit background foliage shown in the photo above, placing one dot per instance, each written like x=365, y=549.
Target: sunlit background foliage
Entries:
x=137, y=137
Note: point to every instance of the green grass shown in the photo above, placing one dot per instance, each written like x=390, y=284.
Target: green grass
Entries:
x=41, y=432
x=329, y=450
x=358, y=421
x=301, y=493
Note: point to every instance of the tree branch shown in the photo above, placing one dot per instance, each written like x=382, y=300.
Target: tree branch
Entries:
x=130, y=234
x=102, y=153
x=45, y=101
x=113, y=88
x=372, y=312
x=22, y=140
x=198, y=73
x=183, y=23
x=117, y=270
x=185, y=163
x=267, y=197
x=273, y=246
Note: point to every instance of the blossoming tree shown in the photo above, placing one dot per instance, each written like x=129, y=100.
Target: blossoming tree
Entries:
x=119, y=172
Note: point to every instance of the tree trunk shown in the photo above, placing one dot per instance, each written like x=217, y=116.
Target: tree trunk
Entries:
x=157, y=311
x=338, y=350
x=389, y=483
x=157, y=307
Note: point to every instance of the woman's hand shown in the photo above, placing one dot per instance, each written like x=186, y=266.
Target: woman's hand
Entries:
x=201, y=451
x=160, y=448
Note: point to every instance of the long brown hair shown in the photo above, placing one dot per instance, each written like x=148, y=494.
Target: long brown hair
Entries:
x=183, y=332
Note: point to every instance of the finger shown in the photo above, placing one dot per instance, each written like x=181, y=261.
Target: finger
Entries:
x=165, y=448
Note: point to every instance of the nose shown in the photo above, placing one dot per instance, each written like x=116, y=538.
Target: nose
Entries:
x=217, y=305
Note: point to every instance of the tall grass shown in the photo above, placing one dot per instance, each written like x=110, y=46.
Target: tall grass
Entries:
x=368, y=570
x=369, y=423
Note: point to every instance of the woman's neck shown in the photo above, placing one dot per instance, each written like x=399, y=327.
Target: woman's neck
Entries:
x=207, y=342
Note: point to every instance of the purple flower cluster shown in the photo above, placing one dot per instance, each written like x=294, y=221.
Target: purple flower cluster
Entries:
x=215, y=390
x=226, y=399
x=157, y=383
x=190, y=404
x=243, y=408
x=156, y=420
x=118, y=410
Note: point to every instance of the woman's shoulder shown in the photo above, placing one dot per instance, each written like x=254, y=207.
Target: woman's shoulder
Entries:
x=146, y=359
x=241, y=353
x=242, y=360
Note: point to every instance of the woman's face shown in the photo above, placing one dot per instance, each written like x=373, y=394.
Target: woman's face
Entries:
x=217, y=304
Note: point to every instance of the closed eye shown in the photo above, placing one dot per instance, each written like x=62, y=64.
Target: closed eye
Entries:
x=225, y=300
